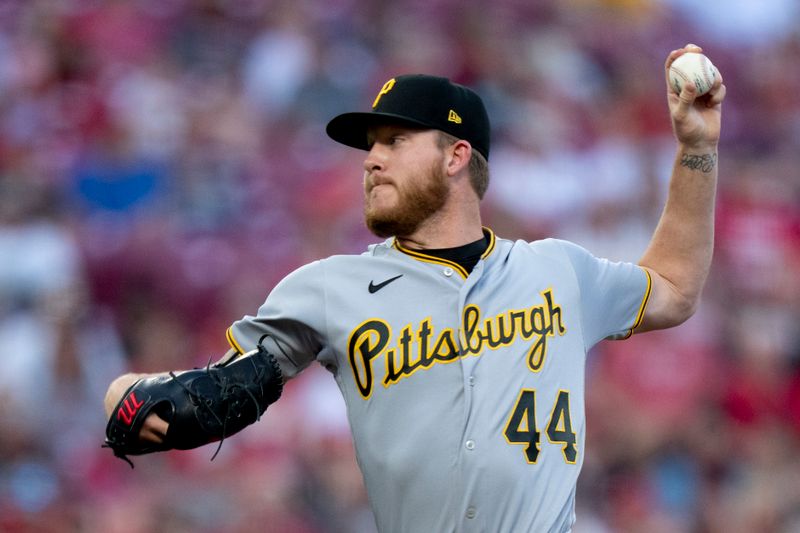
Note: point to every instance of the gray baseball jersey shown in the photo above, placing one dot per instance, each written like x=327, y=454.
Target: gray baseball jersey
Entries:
x=464, y=392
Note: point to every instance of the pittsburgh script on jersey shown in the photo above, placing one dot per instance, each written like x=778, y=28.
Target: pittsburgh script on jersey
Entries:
x=420, y=347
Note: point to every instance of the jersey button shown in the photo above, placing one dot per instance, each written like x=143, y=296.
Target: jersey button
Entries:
x=447, y=272
x=471, y=512
x=472, y=381
x=470, y=444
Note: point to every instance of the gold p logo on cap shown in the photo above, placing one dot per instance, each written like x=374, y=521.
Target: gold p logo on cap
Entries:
x=385, y=89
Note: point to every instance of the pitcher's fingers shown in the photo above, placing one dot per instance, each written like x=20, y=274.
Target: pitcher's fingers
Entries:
x=687, y=97
x=672, y=56
x=716, y=95
x=154, y=429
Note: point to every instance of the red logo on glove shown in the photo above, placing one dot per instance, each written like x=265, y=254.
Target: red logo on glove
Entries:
x=129, y=408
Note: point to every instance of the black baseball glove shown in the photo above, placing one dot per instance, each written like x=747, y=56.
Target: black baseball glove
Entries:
x=201, y=406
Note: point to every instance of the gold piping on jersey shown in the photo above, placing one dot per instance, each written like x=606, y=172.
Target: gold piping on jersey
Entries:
x=490, y=247
x=431, y=259
x=642, y=306
x=421, y=256
x=232, y=341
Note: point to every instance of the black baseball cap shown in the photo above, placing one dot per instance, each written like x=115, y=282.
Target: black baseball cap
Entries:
x=419, y=100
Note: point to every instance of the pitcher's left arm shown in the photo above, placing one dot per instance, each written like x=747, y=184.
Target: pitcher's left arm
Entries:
x=678, y=257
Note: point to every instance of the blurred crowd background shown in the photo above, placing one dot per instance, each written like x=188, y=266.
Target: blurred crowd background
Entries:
x=163, y=163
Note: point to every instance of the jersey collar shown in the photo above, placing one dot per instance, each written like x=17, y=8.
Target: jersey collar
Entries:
x=422, y=256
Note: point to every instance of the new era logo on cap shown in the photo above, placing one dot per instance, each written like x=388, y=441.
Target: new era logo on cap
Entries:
x=423, y=101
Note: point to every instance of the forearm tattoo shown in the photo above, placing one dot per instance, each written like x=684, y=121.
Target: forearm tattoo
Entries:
x=703, y=162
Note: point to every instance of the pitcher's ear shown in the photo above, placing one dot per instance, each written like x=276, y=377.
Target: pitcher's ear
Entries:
x=459, y=154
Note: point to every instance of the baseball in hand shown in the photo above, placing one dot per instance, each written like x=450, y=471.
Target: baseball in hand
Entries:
x=695, y=67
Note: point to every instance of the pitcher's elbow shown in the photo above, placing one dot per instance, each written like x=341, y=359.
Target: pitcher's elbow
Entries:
x=685, y=308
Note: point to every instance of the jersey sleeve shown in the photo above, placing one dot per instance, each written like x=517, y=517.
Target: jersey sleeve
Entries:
x=290, y=323
x=614, y=295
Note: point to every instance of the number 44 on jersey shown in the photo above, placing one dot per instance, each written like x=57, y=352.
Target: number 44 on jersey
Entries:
x=522, y=429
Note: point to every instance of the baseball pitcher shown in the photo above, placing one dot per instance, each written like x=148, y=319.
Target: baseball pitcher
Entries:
x=460, y=354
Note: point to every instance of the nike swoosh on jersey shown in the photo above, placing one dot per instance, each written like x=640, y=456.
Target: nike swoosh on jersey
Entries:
x=373, y=288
